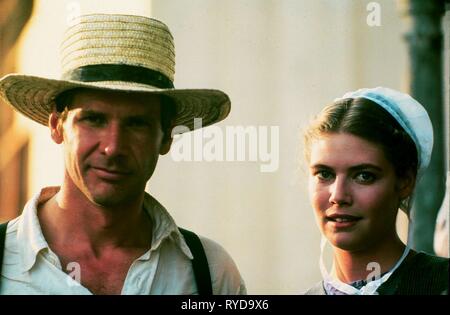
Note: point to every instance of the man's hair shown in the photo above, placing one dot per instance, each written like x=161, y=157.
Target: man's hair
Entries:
x=168, y=109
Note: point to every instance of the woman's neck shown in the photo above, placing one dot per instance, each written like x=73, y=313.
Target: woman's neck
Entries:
x=350, y=266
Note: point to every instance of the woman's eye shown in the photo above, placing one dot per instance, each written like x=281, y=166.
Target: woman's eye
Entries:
x=324, y=175
x=365, y=177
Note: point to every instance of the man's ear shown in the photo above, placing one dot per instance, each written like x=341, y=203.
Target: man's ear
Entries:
x=165, y=145
x=55, y=127
x=406, y=185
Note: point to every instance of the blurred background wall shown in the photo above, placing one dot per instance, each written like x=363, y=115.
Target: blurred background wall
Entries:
x=280, y=61
x=13, y=139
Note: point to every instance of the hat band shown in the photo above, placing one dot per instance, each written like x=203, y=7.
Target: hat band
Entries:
x=115, y=72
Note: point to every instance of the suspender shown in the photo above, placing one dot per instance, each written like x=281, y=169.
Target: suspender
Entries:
x=2, y=244
x=199, y=263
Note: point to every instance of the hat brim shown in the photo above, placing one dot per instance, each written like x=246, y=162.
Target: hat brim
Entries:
x=34, y=97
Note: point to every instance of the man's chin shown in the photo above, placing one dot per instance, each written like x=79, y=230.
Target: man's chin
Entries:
x=112, y=199
x=108, y=196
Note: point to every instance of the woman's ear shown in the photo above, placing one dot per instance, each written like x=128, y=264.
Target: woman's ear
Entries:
x=406, y=184
x=55, y=126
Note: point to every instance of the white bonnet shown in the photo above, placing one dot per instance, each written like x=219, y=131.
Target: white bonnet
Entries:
x=409, y=113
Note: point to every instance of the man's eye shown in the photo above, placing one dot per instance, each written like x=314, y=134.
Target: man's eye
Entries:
x=138, y=123
x=93, y=120
x=365, y=177
x=324, y=175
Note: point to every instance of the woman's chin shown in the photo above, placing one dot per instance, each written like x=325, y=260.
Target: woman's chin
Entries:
x=346, y=241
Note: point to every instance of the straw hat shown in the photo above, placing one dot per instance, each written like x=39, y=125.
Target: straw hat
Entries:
x=115, y=52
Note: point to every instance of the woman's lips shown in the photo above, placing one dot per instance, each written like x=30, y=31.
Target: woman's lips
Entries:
x=342, y=220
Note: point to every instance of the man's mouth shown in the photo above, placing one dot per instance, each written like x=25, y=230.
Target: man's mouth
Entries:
x=110, y=173
x=109, y=170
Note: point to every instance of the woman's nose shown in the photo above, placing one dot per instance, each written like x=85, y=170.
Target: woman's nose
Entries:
x=340, y=192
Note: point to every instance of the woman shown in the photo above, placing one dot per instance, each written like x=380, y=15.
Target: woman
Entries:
x=365, y=153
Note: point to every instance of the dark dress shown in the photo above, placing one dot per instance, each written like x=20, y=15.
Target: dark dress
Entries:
x=421, y=274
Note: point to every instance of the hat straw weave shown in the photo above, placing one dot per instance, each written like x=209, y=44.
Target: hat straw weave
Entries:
x=120, y=53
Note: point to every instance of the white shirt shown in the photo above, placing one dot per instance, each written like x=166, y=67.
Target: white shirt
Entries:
x=31, y=267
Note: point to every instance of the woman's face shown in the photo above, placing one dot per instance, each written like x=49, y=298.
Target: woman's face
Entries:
x=354, y=191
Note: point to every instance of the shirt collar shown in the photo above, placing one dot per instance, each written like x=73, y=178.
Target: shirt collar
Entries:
x=29, y=234
x=32, y=241
x=164, y=226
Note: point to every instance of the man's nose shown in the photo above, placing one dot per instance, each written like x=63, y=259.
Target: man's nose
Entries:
x=113, y=140
x=340, y=192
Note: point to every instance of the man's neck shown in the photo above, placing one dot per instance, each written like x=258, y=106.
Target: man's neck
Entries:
x=351, y=266
x=69, y=219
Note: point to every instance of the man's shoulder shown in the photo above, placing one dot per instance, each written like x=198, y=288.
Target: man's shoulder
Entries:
x=224, y=271
x=12, y=227
x=316, y=289
x=216, y=253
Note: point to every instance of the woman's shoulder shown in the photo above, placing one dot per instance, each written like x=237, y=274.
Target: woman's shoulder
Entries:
x=422, y=274
x=422, y=261
x=432, y=258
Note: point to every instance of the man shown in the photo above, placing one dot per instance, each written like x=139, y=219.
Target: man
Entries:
x=112, y=111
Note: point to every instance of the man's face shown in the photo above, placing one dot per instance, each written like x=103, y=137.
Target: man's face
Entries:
x=111, y=141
